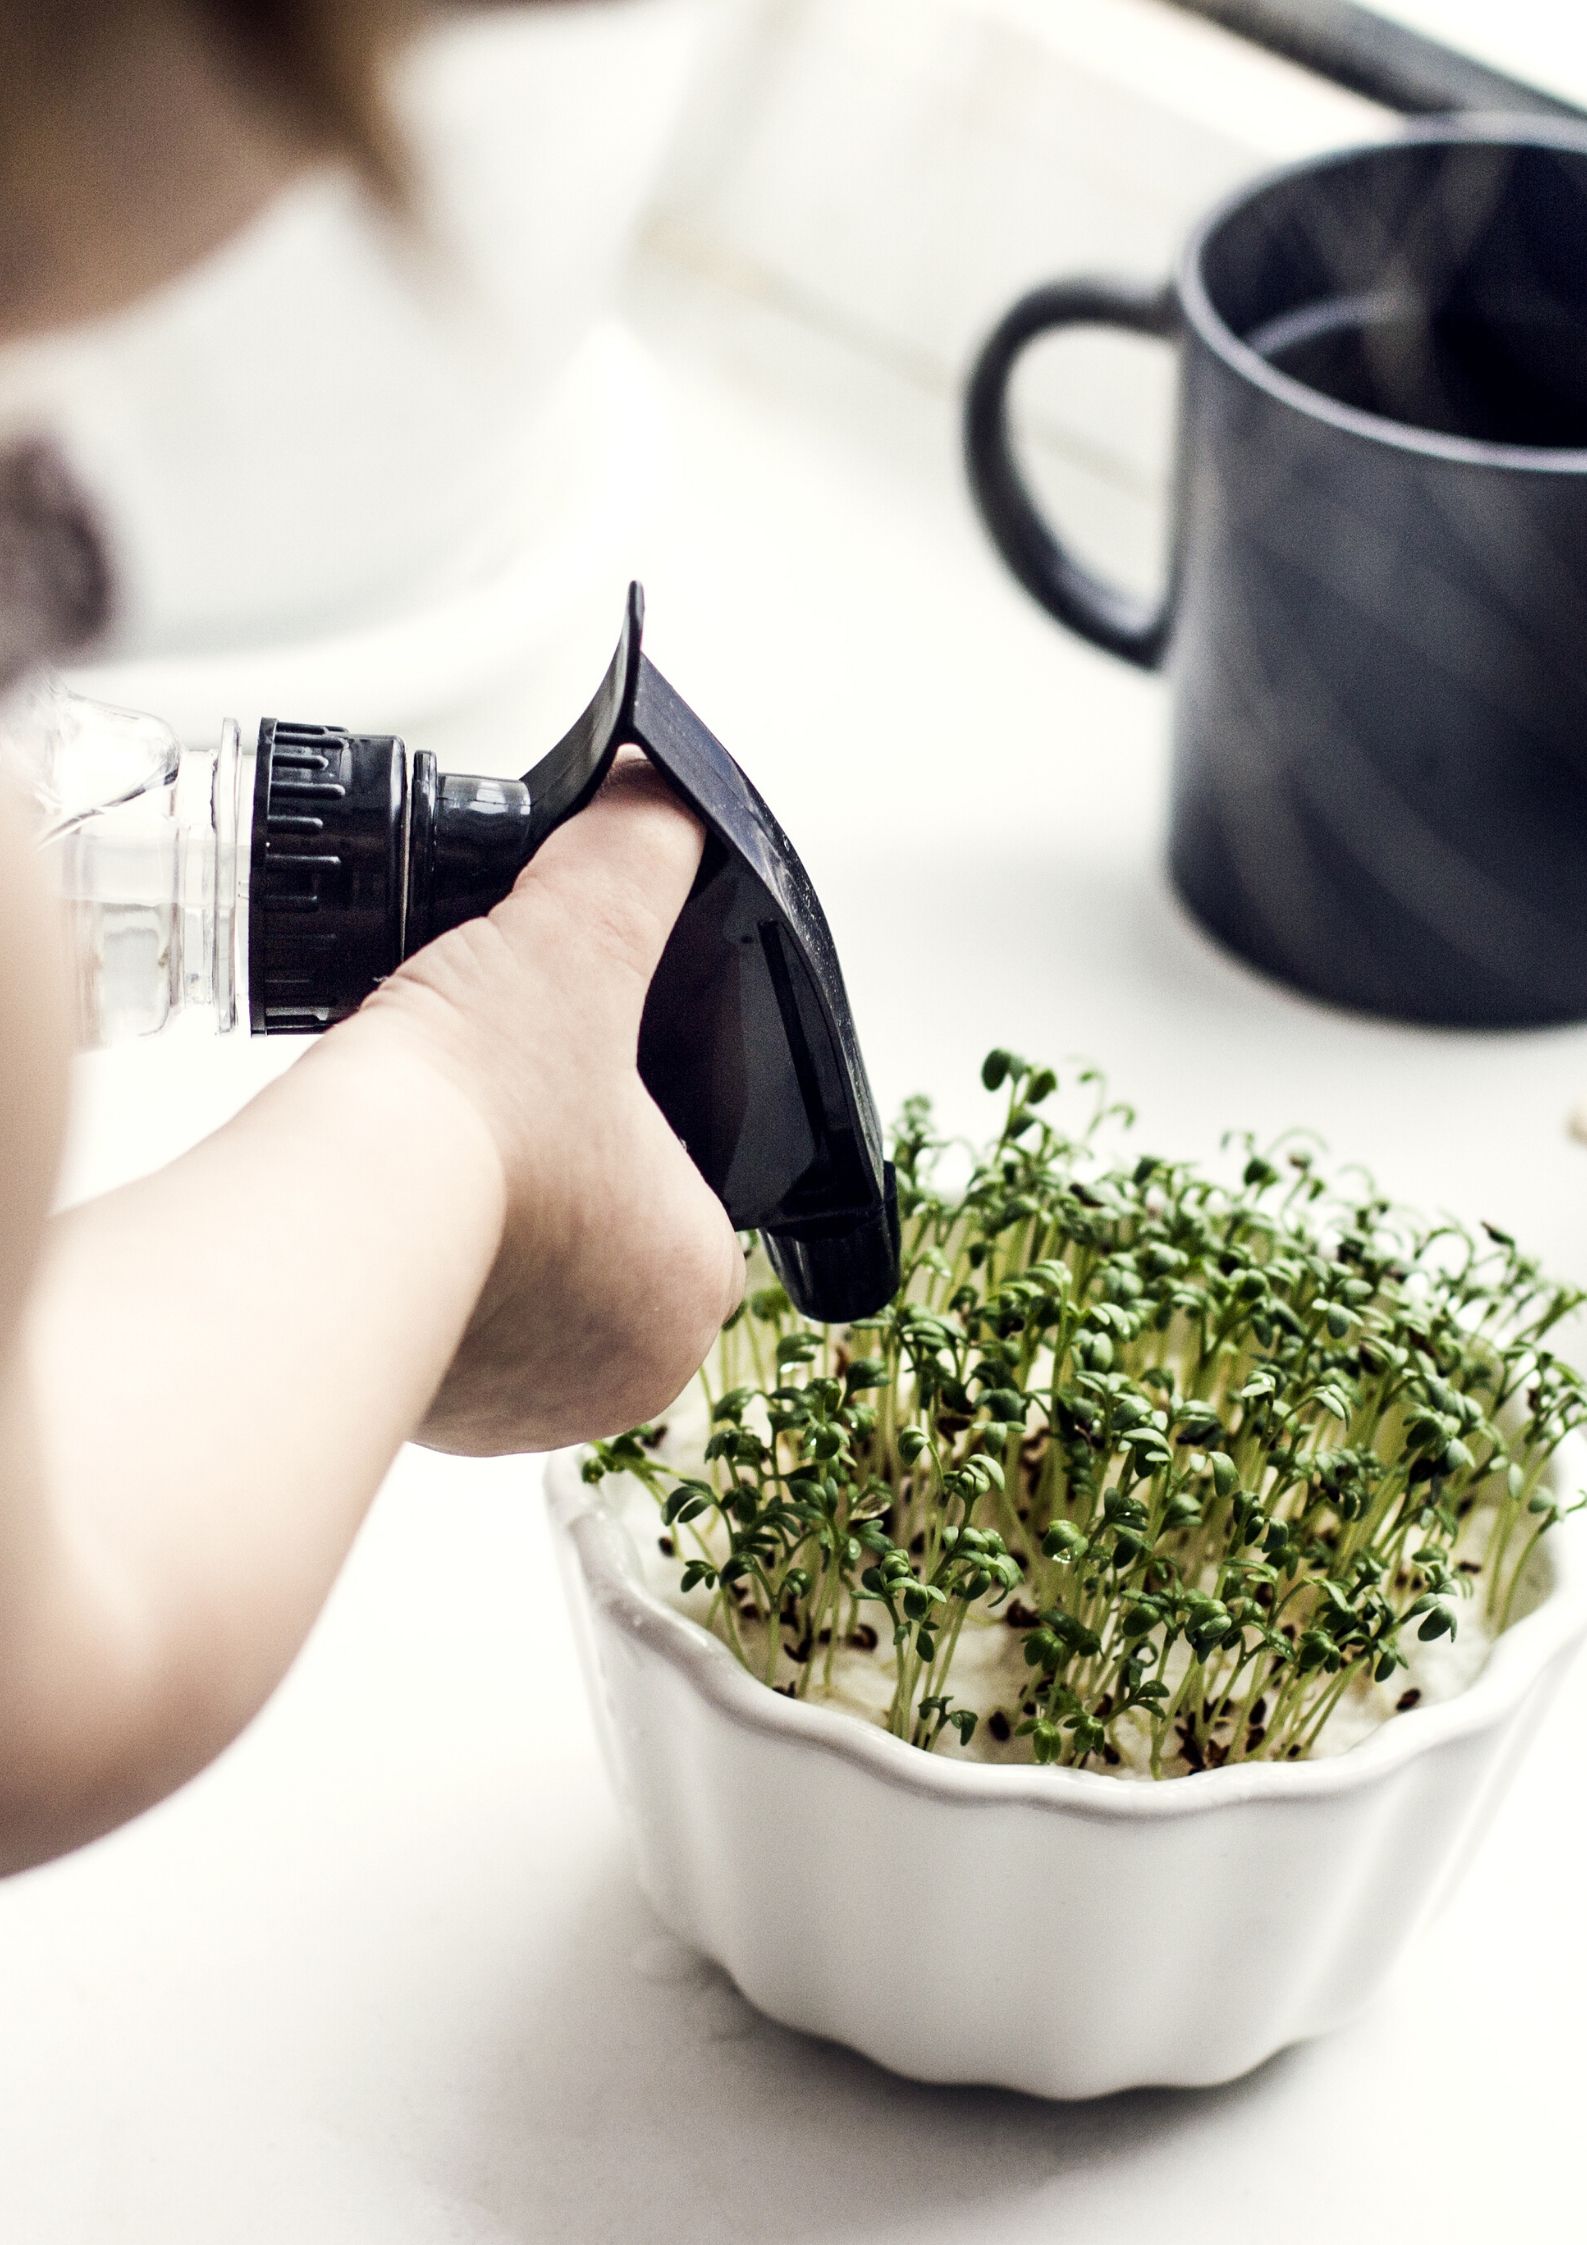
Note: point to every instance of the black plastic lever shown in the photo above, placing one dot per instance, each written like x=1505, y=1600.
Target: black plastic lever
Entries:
x=747, y=1044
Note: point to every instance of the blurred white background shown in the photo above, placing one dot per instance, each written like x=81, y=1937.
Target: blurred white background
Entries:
x=1542, y=42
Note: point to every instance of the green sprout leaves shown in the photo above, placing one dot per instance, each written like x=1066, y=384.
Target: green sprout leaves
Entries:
x=1184, y=1460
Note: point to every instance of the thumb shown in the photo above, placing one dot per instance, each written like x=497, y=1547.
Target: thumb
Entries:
x=617, y=875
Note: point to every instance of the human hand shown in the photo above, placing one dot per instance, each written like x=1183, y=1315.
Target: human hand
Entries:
x=617, y=1264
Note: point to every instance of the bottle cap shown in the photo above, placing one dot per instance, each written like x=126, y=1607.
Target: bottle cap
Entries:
x=325, y=916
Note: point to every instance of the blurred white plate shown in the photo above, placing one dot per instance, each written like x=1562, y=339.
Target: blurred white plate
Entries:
x=531, y=599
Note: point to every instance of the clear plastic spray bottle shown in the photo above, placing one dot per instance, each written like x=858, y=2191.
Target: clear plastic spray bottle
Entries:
x=145, y=843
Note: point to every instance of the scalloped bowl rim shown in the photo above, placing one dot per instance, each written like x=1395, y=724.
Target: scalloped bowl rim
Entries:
x=609, y=1560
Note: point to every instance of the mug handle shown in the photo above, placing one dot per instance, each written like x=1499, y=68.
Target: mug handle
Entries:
x=1120, y=622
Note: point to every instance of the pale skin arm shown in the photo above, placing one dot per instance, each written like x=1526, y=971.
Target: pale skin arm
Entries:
x=204, y=1376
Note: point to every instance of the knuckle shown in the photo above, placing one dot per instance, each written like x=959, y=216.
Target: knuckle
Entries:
x=610, y=914
x=624, y=928
x=448, y=978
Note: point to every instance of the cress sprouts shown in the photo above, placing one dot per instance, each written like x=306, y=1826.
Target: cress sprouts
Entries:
x=1212, y=1451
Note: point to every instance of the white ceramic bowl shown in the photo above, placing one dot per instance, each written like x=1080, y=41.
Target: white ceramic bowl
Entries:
x=1054, y=1931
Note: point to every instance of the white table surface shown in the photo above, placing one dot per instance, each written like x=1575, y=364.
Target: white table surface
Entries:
x=383, y=1976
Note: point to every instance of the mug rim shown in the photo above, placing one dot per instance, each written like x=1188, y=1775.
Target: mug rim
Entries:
x=1207, y=322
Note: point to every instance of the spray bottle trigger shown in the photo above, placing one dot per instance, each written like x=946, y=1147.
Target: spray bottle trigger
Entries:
x=568, y=776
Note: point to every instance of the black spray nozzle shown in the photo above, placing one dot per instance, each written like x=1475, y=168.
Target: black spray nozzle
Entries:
x=747, y=1043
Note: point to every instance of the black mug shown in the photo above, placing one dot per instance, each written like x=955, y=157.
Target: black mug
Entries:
x=1376, y=618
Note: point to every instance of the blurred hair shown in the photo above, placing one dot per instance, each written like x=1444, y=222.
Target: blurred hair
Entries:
x=316, y=66
x=320, y=63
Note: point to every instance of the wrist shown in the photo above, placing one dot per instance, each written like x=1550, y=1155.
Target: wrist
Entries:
x=385, y=1070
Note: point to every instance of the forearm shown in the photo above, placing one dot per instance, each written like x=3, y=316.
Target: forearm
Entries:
x=464, y=1198
x=221, y=1362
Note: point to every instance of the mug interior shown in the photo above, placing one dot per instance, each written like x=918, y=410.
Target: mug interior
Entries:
x=1438, y=282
